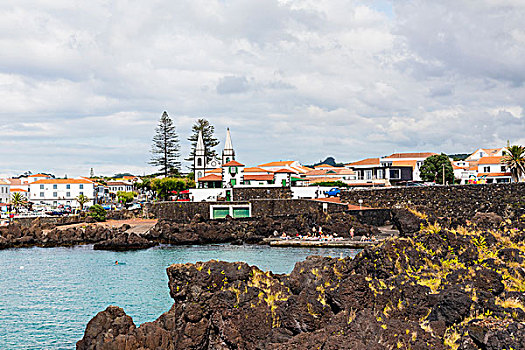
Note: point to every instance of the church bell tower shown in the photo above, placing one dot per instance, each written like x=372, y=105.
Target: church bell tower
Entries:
x=228, y=154
x=199, y=160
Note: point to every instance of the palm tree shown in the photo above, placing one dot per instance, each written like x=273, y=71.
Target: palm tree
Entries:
x=514, y=160
x=81, y=199
x=17, y=200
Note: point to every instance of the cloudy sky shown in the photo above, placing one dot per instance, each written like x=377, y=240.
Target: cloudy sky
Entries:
x=83, y=83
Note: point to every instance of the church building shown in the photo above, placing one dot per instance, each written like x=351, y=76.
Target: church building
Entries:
x=202, y=163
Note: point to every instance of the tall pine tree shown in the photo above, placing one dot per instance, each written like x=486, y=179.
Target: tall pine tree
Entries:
x=165, y=148
x=207, y=136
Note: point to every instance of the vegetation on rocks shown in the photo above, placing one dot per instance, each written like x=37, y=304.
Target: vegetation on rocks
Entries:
x=439, y=286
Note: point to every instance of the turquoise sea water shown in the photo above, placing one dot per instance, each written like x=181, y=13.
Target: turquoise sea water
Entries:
x=48, y=295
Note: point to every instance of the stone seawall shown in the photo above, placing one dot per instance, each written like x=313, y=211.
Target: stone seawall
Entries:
x=184, y=211
x=465, y=201
x=49, y=220
x=244, y=194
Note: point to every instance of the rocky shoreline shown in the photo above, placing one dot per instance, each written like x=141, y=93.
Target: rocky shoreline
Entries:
x=439, y=285
x=198, y=231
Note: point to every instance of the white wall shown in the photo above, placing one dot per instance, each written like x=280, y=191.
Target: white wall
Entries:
x=64, y=195
x=206, y=194
x=309, y=192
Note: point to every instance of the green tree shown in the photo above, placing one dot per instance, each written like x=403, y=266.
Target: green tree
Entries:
x=164, y=187
x=433, y=167
x=17, y=200
x=165, y=148
x=97, y=212
x=81, y=199
x=207, y=137
x=514, y=159
x=125, y=197
x=144, y=185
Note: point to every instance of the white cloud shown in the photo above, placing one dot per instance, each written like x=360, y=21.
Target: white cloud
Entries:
x=83, y=84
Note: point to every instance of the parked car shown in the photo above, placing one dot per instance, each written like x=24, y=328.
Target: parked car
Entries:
x=333, y=192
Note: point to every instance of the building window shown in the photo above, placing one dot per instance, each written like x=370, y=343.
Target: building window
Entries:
x=41, y=194
x=81, y=186
x=81, y=192
x=395, y=174
x=54, y=187
x=55, y=194
x=503, y=169
x=41, y=187
x=68, y=187
x=199, y=162
x=368, y=174
x=199, y=175
x=233, y=170
x=486, y=169
x=380, y=173
x=68, y=194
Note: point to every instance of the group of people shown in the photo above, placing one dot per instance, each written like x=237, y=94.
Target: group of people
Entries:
x=315, y=235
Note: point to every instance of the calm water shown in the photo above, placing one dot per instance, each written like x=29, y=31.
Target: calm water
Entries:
x=48, y=295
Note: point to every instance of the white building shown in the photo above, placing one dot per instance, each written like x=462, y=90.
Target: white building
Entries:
x=55, y=192
x=119, y=186
x=5, y=194
x=491, y=170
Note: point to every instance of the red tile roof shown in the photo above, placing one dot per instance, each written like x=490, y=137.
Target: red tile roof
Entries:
x=287, y=171
x=63, y=181
x=215, y=171
x=490, y=160
x=367, y=161
x=410, y=163
x=280, y=163
x=268, y=177
x=411, y=155
x=211, y=177
x=232, y=163
x=39, y=175
x=324, y=166
x=256, y=170
x=17, y=190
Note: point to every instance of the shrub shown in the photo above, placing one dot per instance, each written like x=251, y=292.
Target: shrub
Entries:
x=97, y=212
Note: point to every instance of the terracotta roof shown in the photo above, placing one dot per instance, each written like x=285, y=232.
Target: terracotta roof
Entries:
x=473, y=166
x=287, y=171
x=256, y=170
x=215, y=171
x=268, y=177
x=490, y=160
x=17, y=190
x=39, y=175
x=367, y=161
x=280, y=163
x=232, y=163
x=62, y=181
x=324, y=166
x=410, y=163
x=14, y=181
x=411, y=155
x=211, y=177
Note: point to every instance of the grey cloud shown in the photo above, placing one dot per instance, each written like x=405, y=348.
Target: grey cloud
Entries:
x=232, y=85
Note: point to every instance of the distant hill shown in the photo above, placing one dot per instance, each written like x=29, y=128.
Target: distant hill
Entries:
x=329, y=160
x=459, y=156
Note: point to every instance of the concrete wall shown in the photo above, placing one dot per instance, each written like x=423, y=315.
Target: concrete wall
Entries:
x=461, y=200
